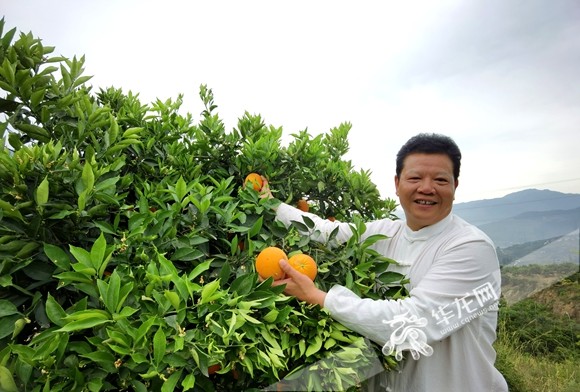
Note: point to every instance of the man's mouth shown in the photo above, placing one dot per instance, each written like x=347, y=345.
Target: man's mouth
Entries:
x=425, y=202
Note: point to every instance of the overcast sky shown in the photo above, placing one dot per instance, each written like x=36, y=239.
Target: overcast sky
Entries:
x=501, y=77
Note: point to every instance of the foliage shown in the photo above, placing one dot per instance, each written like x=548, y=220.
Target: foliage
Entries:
x=127, y=241
x=537, y=331
x=537, y=348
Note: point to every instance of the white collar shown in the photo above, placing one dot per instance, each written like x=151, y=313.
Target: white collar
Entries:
x=428, y=231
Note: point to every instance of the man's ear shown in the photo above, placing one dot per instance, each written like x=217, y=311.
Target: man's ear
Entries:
x=396, y=185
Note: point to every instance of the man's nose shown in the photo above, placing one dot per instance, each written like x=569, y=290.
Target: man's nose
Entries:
x=426, y=186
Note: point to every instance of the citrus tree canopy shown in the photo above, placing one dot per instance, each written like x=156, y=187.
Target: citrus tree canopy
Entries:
x=128, y=240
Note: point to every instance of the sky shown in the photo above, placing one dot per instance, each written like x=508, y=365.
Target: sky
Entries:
x=501, y=77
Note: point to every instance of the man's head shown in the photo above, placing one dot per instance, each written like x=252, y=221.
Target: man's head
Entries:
x=427, y=175
x=430, y=143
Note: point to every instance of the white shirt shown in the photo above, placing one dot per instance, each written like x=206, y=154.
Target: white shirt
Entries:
x=451, y=311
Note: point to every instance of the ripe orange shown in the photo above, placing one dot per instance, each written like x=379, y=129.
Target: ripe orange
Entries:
x=268, y=263
x=302, y=205
x=255, y=180
x=213, y=369
x=305, y=264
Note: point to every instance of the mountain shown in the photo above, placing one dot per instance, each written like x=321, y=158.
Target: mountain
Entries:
x=525, y=216
x=532, y=226
x=485, y=211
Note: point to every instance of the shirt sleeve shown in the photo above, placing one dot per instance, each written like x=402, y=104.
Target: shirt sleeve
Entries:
x=461, y=284
x=322, y=227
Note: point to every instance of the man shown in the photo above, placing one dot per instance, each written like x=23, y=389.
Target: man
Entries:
x=448, y=324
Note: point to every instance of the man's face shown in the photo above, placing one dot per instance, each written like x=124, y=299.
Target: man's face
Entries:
x=426, y=189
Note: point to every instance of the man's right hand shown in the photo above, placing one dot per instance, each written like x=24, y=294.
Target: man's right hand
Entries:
x=300, y=286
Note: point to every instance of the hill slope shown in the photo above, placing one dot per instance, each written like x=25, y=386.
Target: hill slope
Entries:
x=532, y=226
x=481, y=212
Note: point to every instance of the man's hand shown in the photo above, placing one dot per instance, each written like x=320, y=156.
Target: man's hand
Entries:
x=266, y=192
x=300, y=286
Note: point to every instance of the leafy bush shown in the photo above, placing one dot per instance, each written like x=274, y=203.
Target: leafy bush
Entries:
x=535, y=330
x=127, y=241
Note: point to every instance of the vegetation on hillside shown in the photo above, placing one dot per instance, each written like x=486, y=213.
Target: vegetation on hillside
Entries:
x=538, y=342
x=521, y=282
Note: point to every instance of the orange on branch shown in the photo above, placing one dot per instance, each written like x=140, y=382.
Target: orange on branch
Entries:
x=302, y=205
x=255, y=180
x=268, y=263
x=304, y=264
x=213, y=369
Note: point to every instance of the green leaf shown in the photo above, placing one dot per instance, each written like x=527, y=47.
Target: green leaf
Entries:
x=256, y=227
x=27, y=250
x=34, y=132
x=98, y=252
x=113, y=131
x=7, y=308
x=7, y=383
x=37, y=97
x=171, y=382
x=105, y=359
x=42, y=192
x=159, y=346
x=88, y=177
x=110, y=291
x=81, y=255
x=83, y=324
x=173, y=297
x=208, y=292
x=57, y=255
x=71, y=276
x=187, y=254
x=314, y=347
x=180, y=189
x=54, y=311
x=7, y=39
x=390, y=277
x=199, y=269
x=7, y=71
x=188, y=382
x=10, y=211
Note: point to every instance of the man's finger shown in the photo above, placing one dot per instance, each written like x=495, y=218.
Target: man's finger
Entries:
x=287, y=268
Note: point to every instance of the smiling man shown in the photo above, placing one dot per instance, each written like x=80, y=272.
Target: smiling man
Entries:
x=447, y=326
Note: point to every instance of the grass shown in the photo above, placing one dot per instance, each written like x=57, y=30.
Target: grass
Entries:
x=538, y=348
x=529, y=373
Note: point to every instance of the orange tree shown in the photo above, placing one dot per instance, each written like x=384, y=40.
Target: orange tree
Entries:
x=127, y=241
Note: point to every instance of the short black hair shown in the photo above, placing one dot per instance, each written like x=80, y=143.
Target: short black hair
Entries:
x=430, y=143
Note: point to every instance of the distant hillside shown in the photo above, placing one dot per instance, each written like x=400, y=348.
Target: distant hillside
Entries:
x=481, y=212
x=532, y=226
x=520, y=282
x=563, y=250
x=514, y=252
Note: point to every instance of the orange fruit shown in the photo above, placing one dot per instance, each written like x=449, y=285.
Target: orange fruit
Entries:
x=214, y=369
x=302, y=205
x=305, y=264
x=268, y=263
x=255, y=180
